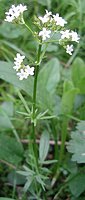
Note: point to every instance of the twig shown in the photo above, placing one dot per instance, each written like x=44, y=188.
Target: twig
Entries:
x=51, y=142
x=8, y=164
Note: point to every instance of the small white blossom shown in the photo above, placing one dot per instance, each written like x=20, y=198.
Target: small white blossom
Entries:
x=23, y=71
x=48, y=13
x=45, y=34
x=18, y=61
x=69, y=49
x=22, y=74
x=75, y=36
x=46, y=17
x=65, y=34
x=29, y=70
x=14, y=12
x=59, y=20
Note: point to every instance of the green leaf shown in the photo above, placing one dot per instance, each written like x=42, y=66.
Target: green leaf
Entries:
x=48, y=80
x=79, y=100
x=52, y=47
x=82, y=85
x=13, y=177
x=10, y=150
x=4, y=198
x=78, y=74
x=44, y=146
x=77, y=184
x=49, y=75
x=81, y=126
x=7, y=106
x=8, y=74
x=9, y=30
x=68, y=97
x=28, y=183
x=5, y=122
x=76, y=145
x=78, y=70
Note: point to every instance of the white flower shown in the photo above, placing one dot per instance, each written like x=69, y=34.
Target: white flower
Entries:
x=75, y=36
x=59, y=20
x=46, y=17
x=69, y=49
x=14, y=12
x=48, y=13
x=24, y=73
x=29, y=70
x=23, y=70
x=65, y=34
x=18, y=61
x=45, y=34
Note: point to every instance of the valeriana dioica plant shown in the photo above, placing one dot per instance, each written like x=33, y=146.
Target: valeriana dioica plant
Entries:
x=47, y=26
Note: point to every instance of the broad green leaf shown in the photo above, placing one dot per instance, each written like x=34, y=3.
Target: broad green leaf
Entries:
x=5, y=122
x=13, y=176
x=79, y=100
x=6, y=111
x=76, y=145
x=68, y=85
x=68, y=97
x=77, y=185
x=52, y=47
x=48, y=79
x=4, y=198
x=8, y=74
x=82, y=85
x=44, y=146
x=78, y=70
x=49, y=76
x=9, y=30
x=10, y=150
x=78, y=74
x=7, y=106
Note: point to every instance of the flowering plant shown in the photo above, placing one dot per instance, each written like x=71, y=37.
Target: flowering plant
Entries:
x=46, y=27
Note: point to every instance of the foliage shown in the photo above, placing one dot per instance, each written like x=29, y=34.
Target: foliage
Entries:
x=53, y=171
x=77, y=145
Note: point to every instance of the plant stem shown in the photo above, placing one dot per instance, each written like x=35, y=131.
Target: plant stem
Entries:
x=61, y=155
x=34, y=98
x=28, y=28
x=63, y=139
x=35, y=80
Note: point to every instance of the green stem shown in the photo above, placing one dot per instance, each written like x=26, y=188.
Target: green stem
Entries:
x=56, y=153
x=29, y=28
x=34, y=98
x=61, y=155
x=35, y=80
x=63, y=139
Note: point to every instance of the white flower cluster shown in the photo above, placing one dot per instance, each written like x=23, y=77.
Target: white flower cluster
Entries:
x=48, y=24
x=52, y=23
x=15, y=12
x=51, y=19
x=23, y=71
x=69, y=36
